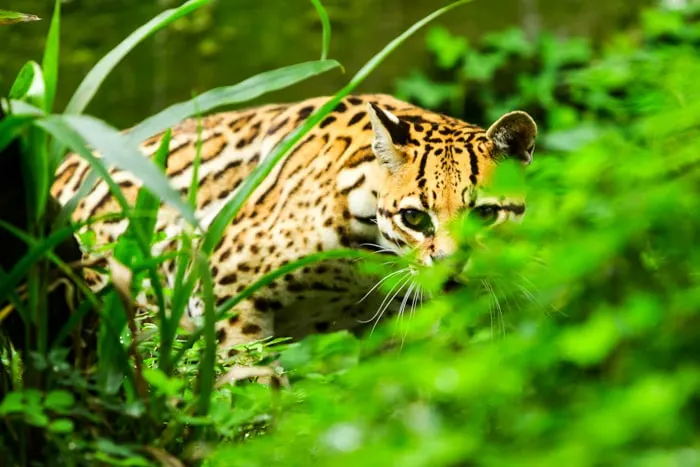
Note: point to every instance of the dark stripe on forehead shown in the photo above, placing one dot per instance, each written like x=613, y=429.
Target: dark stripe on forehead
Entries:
x=423, y=161
x=474, y=164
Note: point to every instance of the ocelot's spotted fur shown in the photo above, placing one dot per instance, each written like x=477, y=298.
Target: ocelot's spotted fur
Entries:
x=375, y=171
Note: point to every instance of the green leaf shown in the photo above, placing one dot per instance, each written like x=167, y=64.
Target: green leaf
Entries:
x=512, y=41
x=35, y=253
x=12, y=17
x=59, y=400
x=244, y=91
x=51, y=54
x=94, y=79
x=36, y=418
x=11, y=127
x=207, y=373
x=325, y=22
x=162, y=383
x=27, y=81
x=29, y=88
x=67, y=136
x=421, y=89
x=117, y=150
x=447, y=48
x=62, y=425
x=13, y=402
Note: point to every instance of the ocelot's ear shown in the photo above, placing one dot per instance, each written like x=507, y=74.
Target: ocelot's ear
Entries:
x=390, y=132
x=513, y=135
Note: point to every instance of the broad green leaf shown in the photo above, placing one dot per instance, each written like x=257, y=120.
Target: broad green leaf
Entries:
x=13, y=402
x=62, y=425
x=12, y=17
x=67, y=136
x=448, y=48
x=94, y=79
x=59, y=400
x=244, y=91
x=162, y=382
x=51, y=54
x=27, y=85
x=117, y=150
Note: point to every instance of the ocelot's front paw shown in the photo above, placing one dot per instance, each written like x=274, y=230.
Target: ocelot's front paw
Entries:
x=268, y=375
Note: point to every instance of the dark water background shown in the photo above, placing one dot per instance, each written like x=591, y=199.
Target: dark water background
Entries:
x=233, y=39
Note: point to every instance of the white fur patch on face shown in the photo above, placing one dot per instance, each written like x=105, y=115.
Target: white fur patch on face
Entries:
x=348, y=178
x=362, y=203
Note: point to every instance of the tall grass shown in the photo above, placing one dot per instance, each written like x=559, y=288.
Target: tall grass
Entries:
x=117, y=409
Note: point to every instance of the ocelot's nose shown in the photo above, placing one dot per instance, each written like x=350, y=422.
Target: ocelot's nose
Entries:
x=439, y=255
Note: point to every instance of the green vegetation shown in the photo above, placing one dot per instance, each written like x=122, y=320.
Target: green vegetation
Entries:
x=12, y=17
x=575, y=341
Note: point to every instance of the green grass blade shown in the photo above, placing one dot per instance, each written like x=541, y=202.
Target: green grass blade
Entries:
x=326, y=24
x=21, y=268
x=244, y=91
x=231, y=209
x=208, y=360
x=146, y=203
x=51, y=54
x=94, y=79
x=29, y=87
x=117, y=150
x=142, y=226
x=62, y=266
x=12, y=17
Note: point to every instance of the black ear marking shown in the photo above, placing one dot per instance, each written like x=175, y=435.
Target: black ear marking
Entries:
x=397, y=128
x=389, y=133
x=514, y=135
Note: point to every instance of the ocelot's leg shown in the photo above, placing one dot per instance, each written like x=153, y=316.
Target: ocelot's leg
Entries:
x=246, y=325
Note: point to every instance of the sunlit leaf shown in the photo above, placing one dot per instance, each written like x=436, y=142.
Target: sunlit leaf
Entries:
x=11, y=17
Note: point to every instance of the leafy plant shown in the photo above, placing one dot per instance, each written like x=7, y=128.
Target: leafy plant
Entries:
x=12, y=17
x=114, y=418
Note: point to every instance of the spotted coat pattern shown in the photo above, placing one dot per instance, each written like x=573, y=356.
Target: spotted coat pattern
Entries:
x=348, y=183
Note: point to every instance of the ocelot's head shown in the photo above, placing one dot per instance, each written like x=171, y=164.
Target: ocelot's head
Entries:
x=438, y=170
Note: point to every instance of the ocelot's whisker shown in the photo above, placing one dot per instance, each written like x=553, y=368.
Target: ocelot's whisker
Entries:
x=386, y=297
x=379, y=283
x=384, y=308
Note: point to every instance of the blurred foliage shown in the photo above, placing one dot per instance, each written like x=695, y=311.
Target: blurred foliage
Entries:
x=585, y=350
x=575, y=341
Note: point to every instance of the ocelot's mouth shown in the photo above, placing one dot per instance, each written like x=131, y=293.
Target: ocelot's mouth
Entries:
x=374, y=248
x=451, y=285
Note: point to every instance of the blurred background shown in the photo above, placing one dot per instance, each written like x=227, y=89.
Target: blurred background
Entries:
x=234, y=39
x=584, y=349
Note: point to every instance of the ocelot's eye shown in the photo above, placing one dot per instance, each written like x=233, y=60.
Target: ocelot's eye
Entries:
x=417, y=220
x=487, y=213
